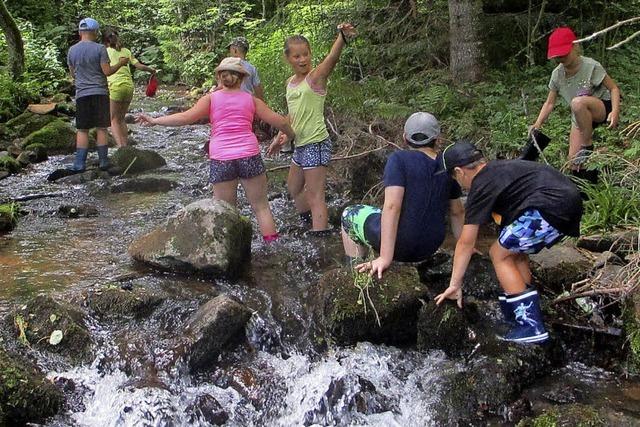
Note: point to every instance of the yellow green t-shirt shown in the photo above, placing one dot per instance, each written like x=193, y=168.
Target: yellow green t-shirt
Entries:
x=306, y=111
x=123, y=75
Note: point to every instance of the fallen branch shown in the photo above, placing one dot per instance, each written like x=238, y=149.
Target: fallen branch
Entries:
x=628, y=39
x=616, y=332
x=386, y=141
x=606, y=30
x=353, y=156
x=35, y=197
x=590, y=293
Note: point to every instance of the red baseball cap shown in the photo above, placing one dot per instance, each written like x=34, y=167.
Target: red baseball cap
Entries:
x=561, y=42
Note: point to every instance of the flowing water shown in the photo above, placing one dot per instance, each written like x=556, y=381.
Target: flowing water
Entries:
x=285, y=376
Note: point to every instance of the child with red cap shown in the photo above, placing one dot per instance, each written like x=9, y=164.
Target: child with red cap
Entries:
x=592, y=94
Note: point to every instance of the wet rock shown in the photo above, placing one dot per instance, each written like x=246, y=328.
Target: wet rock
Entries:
x=134, y=160
x=567, y=415
x=74, y=394
x=43, y=315
x=207, y=408
x=345, y=396
x=58, y=137
x=14, y=148
x=216, y=326
x=80, y=211
x=479, y=281
x=147, y=184
x=443, y=327
x=607, y=258
x=208, y=236
x=495, y=376
x=26, y=158
x=517, y=410
x=9, y=164
x=4, y=174
x=632, y=331
x=560, y=266
x=66, y=108
x=27, y=123
x=93, y=137
x=26, y=396
x=620, y=242
x=9, y=213
x=396, y=299
x=129, y=118
x=40, y=152
x=562, y=394
x=115, y=301
x=84, y=177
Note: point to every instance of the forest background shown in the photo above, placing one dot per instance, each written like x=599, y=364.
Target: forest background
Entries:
x=479, y=66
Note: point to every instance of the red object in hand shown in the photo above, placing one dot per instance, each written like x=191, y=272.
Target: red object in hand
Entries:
x=152, y=86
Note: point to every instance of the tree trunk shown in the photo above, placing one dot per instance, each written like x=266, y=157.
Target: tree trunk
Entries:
x=14, y=42
x=464, y=36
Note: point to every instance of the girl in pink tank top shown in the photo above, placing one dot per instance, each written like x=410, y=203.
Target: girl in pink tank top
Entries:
x=234, y=152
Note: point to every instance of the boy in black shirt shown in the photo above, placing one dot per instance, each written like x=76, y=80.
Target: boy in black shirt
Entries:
x=535, y=206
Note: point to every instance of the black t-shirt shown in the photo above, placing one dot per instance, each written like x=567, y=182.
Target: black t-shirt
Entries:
x=422, y=224
x=504, y=189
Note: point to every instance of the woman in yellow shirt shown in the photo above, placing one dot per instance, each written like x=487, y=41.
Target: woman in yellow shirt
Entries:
x=120, y=85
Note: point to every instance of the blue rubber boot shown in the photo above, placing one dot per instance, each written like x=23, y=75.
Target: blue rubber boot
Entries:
x=103, y=157
x=80, y=160
x=507, y=314
x=529, y=326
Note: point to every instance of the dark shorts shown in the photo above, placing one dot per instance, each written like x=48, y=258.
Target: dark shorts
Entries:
x=354, y=222
x=529, y=234
x=228, y=170
x=92, y=111
x=607, y=107
x=313, y=155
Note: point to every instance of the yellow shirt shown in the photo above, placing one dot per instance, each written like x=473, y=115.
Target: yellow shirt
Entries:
x=306, y=111
x=123, y=75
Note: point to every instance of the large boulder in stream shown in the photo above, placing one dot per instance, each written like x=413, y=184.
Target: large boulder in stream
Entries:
x=27, y=123
x=115, y=301
x=8, y=216
x=134, y=160
x=218, y=325
x=26, y=396
x=208, y=237
x=560, y=266
x=356, y=308
x=58, y=137
x=51, y=326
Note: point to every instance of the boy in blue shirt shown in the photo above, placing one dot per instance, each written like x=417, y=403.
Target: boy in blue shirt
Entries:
x=412, y=223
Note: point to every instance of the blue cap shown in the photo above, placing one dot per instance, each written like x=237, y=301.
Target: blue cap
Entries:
x=88, y=24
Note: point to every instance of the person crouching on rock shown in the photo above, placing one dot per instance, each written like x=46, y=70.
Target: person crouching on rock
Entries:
x=535, y=206
x=411, y=225
x=233, y=149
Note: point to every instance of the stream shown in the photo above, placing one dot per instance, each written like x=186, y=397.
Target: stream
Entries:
x=287, y=375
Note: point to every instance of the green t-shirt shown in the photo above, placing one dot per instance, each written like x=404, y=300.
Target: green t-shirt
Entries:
x=306, y=111
x=123, y=75
x=586, y=82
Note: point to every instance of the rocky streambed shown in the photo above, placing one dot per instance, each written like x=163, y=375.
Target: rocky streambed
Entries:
x=113, y=314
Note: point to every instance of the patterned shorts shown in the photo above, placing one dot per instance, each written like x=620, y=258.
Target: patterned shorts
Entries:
x=313, y=155
x=529, y=234
x=354, y=219
x=228, y=170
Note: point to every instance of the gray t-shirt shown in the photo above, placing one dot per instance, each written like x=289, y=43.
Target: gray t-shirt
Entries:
x=85, y=58
x=252, y=80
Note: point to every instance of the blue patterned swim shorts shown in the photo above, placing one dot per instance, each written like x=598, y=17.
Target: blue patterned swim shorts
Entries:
x=313, y=155
x=529, y=234
x=354, y=220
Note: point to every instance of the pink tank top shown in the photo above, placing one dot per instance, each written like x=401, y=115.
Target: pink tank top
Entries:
x=231, y=117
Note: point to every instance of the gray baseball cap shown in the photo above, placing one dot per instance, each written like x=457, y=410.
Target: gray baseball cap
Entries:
x=421, y=128
x=240, y=42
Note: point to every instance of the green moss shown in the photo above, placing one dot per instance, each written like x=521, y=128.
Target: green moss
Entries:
x=25, y=394
x=632, y=331
x=577, y=415
x=39, y=149
x=27, y=123
x=113, y=301
x=9, y=164
x=58, y=137
x=9, y=214
x=134, y=160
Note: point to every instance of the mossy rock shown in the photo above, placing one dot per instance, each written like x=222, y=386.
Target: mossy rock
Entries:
x=9, y=164
x=60, y=97
x=26, y=396
x=43, y=315
x=560, y=266
x=59, y=137
x=40, y=151
x=114, y=301
x=443, y=327
x=93, y=137
x=574, y=415
x=27, y=123
x=66, y=108
x=9, y=213
x=632, y=332
x=396, y=299
x=134, y=160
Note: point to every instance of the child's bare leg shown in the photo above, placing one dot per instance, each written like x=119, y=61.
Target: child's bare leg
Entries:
x=256, y=190
x=295, y=185
x=82, y=138
x=522, y=263
x=506, y=267
x=586, y=109
x=118, y=125
x=315, y=180
x=351, y=248
x=227, y=191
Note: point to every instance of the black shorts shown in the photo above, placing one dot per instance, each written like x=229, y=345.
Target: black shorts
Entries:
x=243, y=168
x=92, y=111
x=607, y=108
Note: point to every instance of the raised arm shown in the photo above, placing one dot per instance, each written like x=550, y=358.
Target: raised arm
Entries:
x=274, y=119
x=546, y=109
x=318, y=77
x=192, y=115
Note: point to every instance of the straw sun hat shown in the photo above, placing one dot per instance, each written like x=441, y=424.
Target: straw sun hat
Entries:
x=231, y=64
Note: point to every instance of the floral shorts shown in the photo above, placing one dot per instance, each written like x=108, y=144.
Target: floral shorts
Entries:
x=313, y=155
x=529, y=234
x=228, y=170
